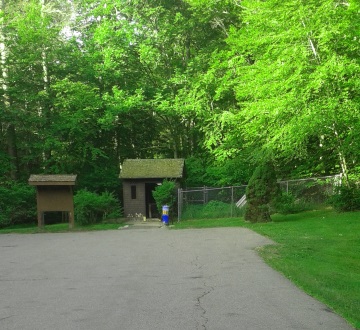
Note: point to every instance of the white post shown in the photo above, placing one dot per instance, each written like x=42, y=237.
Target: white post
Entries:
x=232, y=200
x=179, y=203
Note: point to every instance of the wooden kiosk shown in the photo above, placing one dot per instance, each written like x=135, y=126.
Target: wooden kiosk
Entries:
x=54, y=193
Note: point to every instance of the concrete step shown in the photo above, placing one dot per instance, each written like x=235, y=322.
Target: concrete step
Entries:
x=139, y=224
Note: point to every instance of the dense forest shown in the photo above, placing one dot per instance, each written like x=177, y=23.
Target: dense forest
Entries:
x=86, y=84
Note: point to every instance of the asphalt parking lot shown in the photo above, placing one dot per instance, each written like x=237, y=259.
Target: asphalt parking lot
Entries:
x=150, y=279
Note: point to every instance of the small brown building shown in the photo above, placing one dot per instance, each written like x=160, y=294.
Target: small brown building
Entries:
x=54, y=194
x=140, y=177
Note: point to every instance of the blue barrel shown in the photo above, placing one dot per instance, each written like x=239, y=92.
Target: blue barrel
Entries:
x=165, y=215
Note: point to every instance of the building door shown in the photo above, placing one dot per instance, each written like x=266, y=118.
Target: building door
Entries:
x=151, y=210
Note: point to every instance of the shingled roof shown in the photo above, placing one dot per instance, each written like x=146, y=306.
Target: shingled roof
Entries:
x=52, y=179
x=152, y=169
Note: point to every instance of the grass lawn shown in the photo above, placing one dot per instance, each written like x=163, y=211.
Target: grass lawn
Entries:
x=319, y=251
x=57, y=228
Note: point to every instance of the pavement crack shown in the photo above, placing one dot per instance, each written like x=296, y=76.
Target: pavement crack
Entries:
x=6, y=317
x=204, y=318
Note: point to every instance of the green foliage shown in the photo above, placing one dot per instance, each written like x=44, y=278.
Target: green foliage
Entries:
x=209, y=80
x=211, y=210
x=92, y=208
x=346, y=198
x=195, y=172
x=99, y=179
x=201, y=171
x=165, y=194
x=289, y=204
x=17, y=204
x=292, y=80
x=261, y=190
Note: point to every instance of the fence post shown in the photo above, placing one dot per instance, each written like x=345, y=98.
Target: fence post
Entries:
x=232, y=201
x=179, y=203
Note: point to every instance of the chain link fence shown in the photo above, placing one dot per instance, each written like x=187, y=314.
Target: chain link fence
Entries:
x=206, y=202
x=203, y=202
x=312, y=190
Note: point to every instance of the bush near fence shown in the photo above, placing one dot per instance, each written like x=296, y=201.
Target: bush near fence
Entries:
x=211, y=210
x=287, y=203
x=347, y=198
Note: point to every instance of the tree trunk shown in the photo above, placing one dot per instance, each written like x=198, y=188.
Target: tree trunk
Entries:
x=12, y=151
x=341, y=155
x=9, y=126
x=45, y=104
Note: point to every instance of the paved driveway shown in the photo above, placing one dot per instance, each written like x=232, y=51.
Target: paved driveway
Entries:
x=149, y=279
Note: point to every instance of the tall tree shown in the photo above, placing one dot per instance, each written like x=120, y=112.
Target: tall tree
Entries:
x=8, y=127
x=293, y=68
x=158, y=48
x=33, y=43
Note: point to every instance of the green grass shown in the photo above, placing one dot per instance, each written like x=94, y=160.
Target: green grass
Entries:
x=210, y=223
x=57, y=228
x=319, y=251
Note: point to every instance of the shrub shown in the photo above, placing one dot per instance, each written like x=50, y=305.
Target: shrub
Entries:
x=17, y=204
x=165, y=194
x=92, y=208
x=286, y=203
x=346, y=198
x=261, y=190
